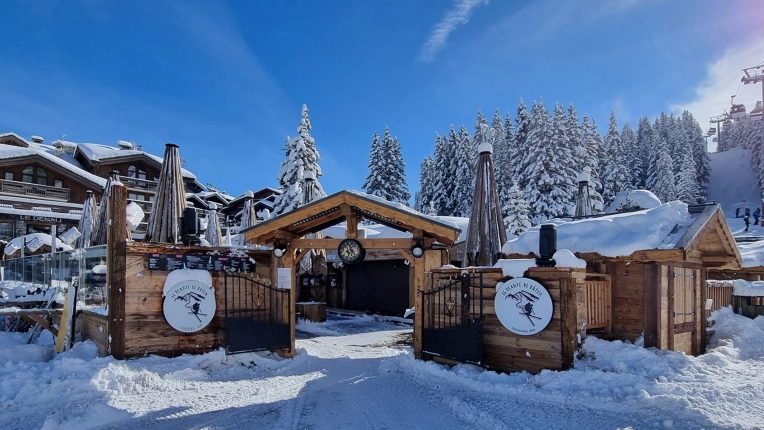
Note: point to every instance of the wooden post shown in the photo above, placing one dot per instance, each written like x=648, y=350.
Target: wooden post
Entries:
x=417, y=265
x=670, y=322
x=653, y=311
x=116, y=253
x=568, y=320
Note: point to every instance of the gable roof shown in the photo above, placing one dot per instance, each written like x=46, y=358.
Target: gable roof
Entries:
x=40, y=153
x=331, y=210
x=104, y=154
x=672, y=231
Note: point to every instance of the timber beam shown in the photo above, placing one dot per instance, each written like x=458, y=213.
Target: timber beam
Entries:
x=402, y=243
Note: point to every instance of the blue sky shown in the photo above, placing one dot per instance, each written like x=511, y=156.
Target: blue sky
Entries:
x=226, y=80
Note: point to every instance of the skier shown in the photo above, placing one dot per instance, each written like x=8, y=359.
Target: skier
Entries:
x=746, y=219
x=737, y=213
x=756, y=215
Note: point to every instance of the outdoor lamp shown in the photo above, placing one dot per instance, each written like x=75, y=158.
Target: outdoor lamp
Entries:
x=279, y=248
x=418, y=249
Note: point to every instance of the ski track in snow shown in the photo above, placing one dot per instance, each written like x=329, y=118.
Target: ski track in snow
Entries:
x=354, y=373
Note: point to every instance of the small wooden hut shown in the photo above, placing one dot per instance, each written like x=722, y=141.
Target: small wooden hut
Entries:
x=657, y=293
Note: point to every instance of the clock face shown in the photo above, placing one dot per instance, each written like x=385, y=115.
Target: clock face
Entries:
x=350, y=251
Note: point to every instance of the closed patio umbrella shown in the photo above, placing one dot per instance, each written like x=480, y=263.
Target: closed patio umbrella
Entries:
x=248, y=216
x=213, y=234
x=99, y=233
x=170, y=200
x=87, y=221
x=485, y=233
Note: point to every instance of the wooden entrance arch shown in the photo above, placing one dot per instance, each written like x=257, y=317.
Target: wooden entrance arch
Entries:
x=352, y=207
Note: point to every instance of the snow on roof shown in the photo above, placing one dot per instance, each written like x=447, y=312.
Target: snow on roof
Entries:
x=752, y=253
x=46, y=214
x=404, y=208
x=99, y=152
x=643, y=198
x=613, y=235
x=66, y=162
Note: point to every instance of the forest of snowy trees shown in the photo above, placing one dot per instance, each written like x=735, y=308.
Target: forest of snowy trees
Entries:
x=539, y=155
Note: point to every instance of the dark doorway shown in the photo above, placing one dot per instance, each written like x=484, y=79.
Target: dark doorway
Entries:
x=378, y=286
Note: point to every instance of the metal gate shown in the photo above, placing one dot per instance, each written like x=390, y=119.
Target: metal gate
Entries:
x=257, y=316
x=452, y=318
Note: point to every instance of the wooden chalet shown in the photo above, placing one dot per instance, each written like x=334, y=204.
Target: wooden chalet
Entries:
x=660, y=293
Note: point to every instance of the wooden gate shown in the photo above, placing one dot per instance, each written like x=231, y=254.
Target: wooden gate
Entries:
x=452, y=318
x=257, y=316
x=599, y=314
x=685, y=308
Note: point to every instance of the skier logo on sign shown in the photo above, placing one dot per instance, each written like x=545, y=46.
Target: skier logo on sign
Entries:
x=193, y=301
x=525, y=301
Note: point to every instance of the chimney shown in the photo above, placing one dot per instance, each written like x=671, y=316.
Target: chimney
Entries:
x=37, y=139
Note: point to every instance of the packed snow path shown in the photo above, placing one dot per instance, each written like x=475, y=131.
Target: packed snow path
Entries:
x=359, y=373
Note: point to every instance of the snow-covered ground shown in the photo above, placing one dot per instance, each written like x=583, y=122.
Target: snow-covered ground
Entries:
x=360, y=373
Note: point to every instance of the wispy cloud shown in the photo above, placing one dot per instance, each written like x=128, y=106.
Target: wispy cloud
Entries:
x=712, y=94
x=457, y=16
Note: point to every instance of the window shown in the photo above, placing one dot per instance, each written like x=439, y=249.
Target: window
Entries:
x=141, y=174
x=6, y=229
x=59, y=183
x=8, y=176
x=37, y=228
x=34, y=175
x=134, y=197
x=131, y=172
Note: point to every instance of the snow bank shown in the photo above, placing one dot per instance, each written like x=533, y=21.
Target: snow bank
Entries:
x=644, y=199
x=745, y=288
x=612, y=235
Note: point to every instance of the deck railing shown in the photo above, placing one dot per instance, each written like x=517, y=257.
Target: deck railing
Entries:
x=36, y=190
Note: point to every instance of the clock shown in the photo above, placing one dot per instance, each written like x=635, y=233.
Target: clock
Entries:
x=350, y=251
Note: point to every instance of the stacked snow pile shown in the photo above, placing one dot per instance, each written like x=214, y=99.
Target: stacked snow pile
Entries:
x=612, y=235
x=626, y=201
x=743, y=288
x=752, y=253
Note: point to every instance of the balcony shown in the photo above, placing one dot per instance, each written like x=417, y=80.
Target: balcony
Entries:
x=141, y=185
x=33, y=190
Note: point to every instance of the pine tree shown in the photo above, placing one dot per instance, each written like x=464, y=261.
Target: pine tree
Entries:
x=501, y=158
x=687, y=187
x=425, y=197
x=645, y=142
x=465, y=161
x=301, y=156
x=564, y=165
x=545, y=191
x=398, y=186
x=663, y=184
x=615, y=174
x=516, y=221
x=632, y=155
x=445, y=152
x=700, y=153
x=592, y=146
x=376, y=182
x=522, y=120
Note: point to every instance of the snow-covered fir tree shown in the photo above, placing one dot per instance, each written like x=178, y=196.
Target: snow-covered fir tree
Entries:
x=632, y=155
x=546, y=191
x=376, y=182
x=522, y=121
x=399, y=187
x=645, y=143
x=592, y=146
x=663, y=182
x=516, y=221
x=445, y=152
x=564, y=162
x=615, y=176
x=687, y=185
x=465, y=161
x=694, y=135
x=501, y=154
x=301, y=156
x=427, y=179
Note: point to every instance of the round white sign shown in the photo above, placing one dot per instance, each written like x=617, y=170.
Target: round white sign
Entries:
x=523, y=306
x=189, y=305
